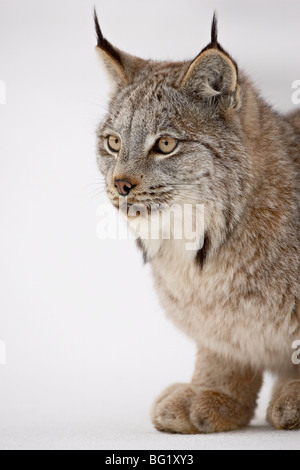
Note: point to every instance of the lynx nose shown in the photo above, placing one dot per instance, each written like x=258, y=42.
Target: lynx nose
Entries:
x=123, y=186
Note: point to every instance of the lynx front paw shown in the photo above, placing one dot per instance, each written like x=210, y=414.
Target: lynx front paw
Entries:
x=284, y=412
x=186, y=409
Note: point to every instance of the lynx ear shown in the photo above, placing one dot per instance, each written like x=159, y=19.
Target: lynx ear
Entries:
x=213, y=75
x=121, y=66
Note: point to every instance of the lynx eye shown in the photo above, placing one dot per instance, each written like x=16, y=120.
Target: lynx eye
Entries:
x=114, y=143
x=166, y=144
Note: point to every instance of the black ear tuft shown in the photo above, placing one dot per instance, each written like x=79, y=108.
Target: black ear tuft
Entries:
x=98, y=29
x=213, y=75
x=121, y=67
x=103, y=43
x=214, y=31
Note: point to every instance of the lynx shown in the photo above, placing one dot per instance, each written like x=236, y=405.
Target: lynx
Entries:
x=198, y=132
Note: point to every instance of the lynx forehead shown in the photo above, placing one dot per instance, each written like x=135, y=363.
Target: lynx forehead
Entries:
x=197, y=132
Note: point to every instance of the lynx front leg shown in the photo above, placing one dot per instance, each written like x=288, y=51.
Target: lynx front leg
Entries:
x=221, y=397
x=284, y=408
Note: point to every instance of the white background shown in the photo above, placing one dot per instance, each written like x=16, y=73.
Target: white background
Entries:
x=88, y=346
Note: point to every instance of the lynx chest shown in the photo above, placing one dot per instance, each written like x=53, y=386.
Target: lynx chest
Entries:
x=211, y=307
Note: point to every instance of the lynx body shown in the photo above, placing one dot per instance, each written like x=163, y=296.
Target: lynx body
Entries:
x=197, y=132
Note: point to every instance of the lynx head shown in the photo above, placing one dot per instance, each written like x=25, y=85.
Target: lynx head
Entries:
x=172, y=134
